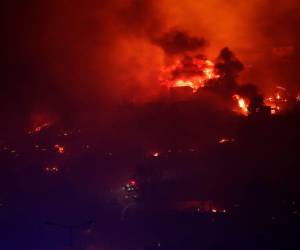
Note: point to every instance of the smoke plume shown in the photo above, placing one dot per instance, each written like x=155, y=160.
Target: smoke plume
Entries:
x=179, y=42
x=82, y=57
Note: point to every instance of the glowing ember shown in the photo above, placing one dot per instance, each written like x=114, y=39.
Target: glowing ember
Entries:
x=59, y=149
x=189, y=72
x=278, y=97
x=226, y=140
x=39, y=128
x=241, y=103
x=278, y=100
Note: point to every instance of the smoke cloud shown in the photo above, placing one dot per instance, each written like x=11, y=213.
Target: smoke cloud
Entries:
x=178, y=42
x=76, y=57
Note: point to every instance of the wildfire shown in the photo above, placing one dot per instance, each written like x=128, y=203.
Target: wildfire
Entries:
x=189, y=72
x=241, y=103
x=278, y=100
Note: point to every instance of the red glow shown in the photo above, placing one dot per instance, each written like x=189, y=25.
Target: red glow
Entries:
x=191, y=72
x=242, y=105
x=59, y=149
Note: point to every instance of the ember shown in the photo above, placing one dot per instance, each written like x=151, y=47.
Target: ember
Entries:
x=241, y=104
x=39, y=128
x=59, y=149
x=226, y=140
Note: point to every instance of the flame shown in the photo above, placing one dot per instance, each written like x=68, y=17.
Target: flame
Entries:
x=241, y=103
x=278, y=97
x=194, y=74
x=277, y=101
x=183, y=83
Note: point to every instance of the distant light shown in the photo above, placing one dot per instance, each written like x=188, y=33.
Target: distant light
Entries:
x=156, y=154
x=226, y=140
x=51, y=169
x=214, y=210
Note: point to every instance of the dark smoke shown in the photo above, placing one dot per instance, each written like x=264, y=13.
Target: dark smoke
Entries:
x=68, y=57
x=229, y=68
x=178, y=42
x=248, y=90
x=228, y=65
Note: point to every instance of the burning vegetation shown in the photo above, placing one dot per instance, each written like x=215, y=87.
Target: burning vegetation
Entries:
x=193, y=72
x=202, y=75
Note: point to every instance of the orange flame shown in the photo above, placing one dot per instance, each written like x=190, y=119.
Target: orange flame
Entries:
x=241, y=103
x=202, y=71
